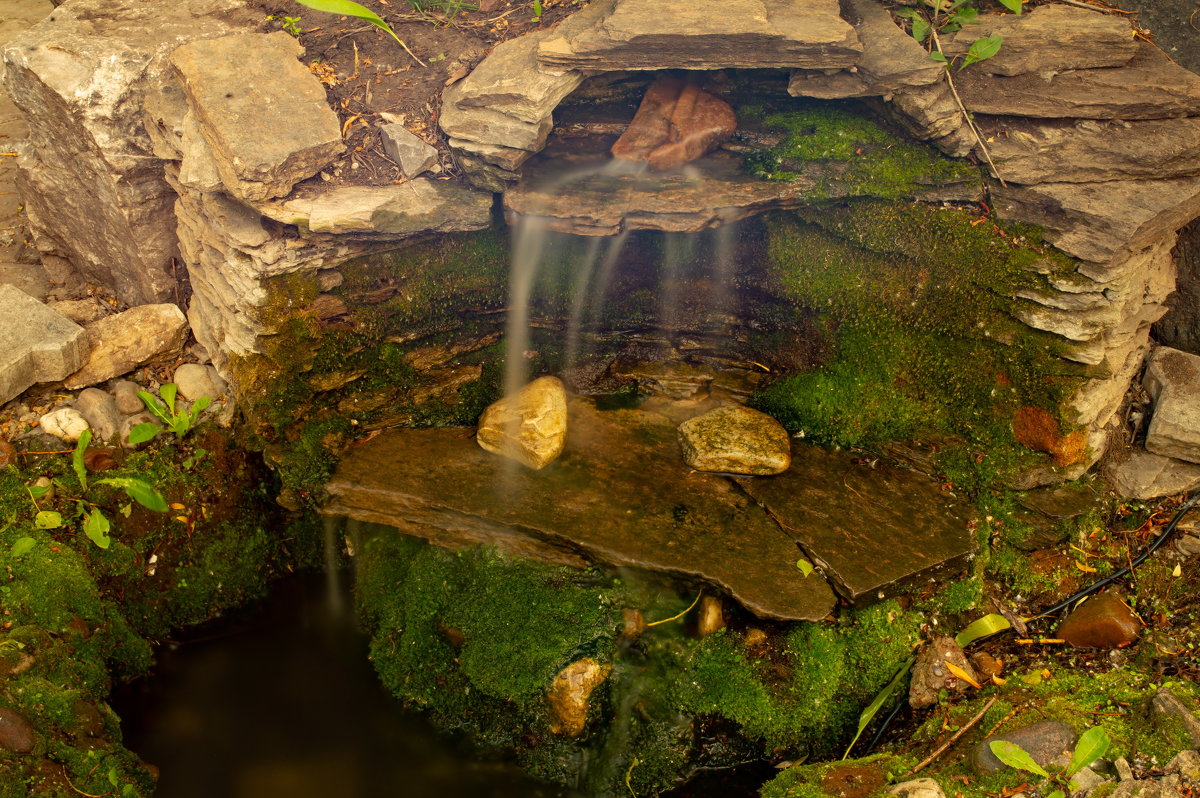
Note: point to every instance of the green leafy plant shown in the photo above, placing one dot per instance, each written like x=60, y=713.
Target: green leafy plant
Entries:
x=1092, y=745
x=288, y=24
x=94, y=523
x=164, y=410
x=352, y=9
x=537, y=10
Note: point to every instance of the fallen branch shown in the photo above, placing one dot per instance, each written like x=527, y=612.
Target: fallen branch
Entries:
x=966, y=115
x=957, y=735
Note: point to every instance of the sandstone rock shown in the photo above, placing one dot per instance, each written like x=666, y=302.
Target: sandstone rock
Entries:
x=488, y=126
x=92, y=188
x=503, y=160
x=931, y=676
x=570, y=695
x=29, y=278
x=1039, y=430
x=100, y=410
x=36, y=344
x=66, y=424
x=263, y=142
x=530, y=426
x=1044, y=741
x=1187, y=764
x=710, y=617
x=1100, y=222
x=1048, y=39
x=735, y=440
x=125, y=394
x=196, y=381
x=1083, y=151
x=80, y=311
x=675, y=124
x=677, y=34
x=127, y=340
x=672, y=379
x=16, y=734
x=510, y=82
x=917, y=788
x=416, y=206
x=1145, y=475
x=405, y=148
x=1167, y=710
x=1173, y=381
x=1103, y=621
x=1151, y=86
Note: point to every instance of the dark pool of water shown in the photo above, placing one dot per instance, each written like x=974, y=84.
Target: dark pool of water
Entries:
x=281, y=702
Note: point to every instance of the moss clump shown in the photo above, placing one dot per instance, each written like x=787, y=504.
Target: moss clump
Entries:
x=811, y=703
x=848, y=154
x=826, y=779
x=917, y=299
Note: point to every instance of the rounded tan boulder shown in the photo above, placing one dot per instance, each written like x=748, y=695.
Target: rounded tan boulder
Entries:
x=530, y=426
x=735, y=440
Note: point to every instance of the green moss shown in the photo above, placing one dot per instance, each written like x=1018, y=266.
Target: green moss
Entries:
x=806, y=781
x=848, y=154
x=833, y=671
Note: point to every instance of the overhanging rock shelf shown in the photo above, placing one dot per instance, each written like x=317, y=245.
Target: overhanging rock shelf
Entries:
x=131, y=167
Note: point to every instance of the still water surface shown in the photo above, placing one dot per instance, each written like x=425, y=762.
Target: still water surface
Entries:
x=281, y=702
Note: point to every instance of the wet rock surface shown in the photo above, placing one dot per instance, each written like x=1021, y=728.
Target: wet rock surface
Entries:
x=735, y=440
x=1103, y=621
x=16, y=735
x=1045, y=742
x=618, y=494
x=570, y=695
x=872, y=526
x=530, y=426
x=676, y=123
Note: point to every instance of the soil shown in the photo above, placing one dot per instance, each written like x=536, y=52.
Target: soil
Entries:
x=372, y=81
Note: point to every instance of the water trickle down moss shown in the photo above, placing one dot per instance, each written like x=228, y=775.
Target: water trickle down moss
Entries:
x=848, y=154
x=916, y=297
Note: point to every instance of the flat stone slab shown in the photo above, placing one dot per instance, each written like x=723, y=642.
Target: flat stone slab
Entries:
x=1173, y=380
x=37, y=344
x=873, y=526
x=263, y=141
x=707, y=193
x=682, y=34
x=619, y=494
x=416, y=206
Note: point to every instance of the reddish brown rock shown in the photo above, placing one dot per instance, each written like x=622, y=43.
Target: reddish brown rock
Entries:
x=1038, y=429
x=8, y=455
x=1103, y=621
x=932, y=672
x=676, y=123
x=16, y=735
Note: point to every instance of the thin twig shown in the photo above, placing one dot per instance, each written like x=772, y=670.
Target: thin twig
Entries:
x=965, y=114
x=945, y=746
x=680, y=615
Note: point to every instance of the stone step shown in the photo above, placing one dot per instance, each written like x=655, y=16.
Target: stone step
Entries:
x=621, y=495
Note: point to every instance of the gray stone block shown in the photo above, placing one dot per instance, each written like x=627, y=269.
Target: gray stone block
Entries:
x=36, y=344
x=405, y=148
x=1173, y=380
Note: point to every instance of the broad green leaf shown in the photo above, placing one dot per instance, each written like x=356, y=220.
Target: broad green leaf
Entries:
x=168, y=392
x=936, y=55
x=143, y=432
x=920, y=29
x=140, y=491
x=199, y=407
x=805, y=567
x=982, y=627
x=96, y=527
x=1012, y=5
x=983, y=48
x=48, y=519
x=351, y=9
x=23, y=546
x=1092, y=745
x=1017, y=757
x=38, y=491
x=1057, y=794
x=876, y=704
x=156, y=408
x=85, y=438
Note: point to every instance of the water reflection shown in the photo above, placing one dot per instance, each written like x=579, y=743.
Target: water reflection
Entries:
x=282, y=702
